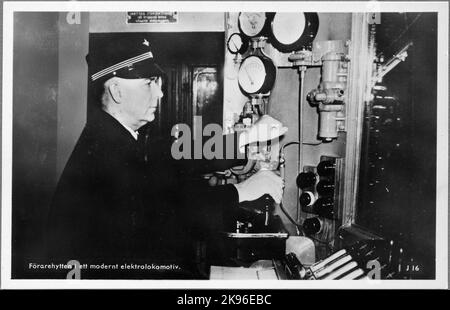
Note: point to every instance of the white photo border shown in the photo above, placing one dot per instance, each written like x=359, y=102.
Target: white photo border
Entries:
x=441, y=8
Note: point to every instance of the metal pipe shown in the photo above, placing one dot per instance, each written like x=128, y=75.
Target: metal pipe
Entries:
x=302, y=70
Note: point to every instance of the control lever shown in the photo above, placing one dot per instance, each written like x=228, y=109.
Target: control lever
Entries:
x=268, y=203
x=294, y=268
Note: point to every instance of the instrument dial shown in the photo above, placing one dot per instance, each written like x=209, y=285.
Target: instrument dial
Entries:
x=293, y=31
x=256, y=75
x=295, y=22
x=252, y=24
x=237, y=44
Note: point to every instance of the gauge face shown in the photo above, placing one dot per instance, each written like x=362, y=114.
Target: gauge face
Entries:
x=252, y=74
x=288, y=27
x=252, y=23
x=237, y=44
x=293, y=31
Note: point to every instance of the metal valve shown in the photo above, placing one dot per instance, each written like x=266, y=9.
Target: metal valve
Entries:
x=330, y=96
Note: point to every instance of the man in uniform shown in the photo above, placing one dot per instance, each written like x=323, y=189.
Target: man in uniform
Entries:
x=107, y=208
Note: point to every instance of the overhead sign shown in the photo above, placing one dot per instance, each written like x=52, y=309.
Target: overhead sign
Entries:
x=152, y=17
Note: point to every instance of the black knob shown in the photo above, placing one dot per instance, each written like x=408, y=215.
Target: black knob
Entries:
x=326, y=168
x=312, y=226
x=268, y=200
x=325, y=188
x=306, y=179
x=324, y=207
x=307, y=199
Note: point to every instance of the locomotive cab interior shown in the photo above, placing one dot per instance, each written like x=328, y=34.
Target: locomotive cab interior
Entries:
x=356, y=91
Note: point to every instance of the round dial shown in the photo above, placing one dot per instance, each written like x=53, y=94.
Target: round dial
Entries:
x=295, y=22
x=237, y=44
x=256, y=75
x=252, y=24
x=307, y=199
x=293, y=31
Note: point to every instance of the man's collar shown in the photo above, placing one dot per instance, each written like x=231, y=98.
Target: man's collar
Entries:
x=131, y=131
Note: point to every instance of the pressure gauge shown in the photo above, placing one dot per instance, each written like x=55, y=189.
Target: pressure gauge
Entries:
x=253, y=24
x=293, y=31
x=237, y=44
x=256, y=75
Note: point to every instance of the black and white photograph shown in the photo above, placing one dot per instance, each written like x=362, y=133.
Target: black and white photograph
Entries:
x=224, y=144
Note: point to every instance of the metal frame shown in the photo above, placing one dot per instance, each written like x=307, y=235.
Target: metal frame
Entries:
x=361, y=53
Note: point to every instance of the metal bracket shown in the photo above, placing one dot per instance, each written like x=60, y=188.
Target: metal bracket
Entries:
x=393, y=62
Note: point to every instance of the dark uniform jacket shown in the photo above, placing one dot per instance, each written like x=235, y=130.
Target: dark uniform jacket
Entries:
x=108, y=207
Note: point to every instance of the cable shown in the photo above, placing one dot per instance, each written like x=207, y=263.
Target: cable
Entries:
x=288, y=144
x=281, y=151
x=300, y=231
x=308, y=143
x=298, y=227
x=327, y=244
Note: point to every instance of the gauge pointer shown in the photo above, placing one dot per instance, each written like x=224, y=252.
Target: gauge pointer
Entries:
x=248, y=74
x=235, y=45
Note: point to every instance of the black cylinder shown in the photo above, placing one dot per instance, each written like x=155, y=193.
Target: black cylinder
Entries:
x=324, y=207
x=326, y=168
x=307, y=199
x=325, y=188
x=312, y=226
x=306, y=179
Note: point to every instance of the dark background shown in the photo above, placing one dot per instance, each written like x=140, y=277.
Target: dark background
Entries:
x=397, y=199
x=35, y=90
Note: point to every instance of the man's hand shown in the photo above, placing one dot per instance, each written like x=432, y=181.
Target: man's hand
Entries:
x=263, y=182
x=265, y=129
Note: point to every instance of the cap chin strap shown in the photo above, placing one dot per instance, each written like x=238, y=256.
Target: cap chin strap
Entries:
x=120, y=65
